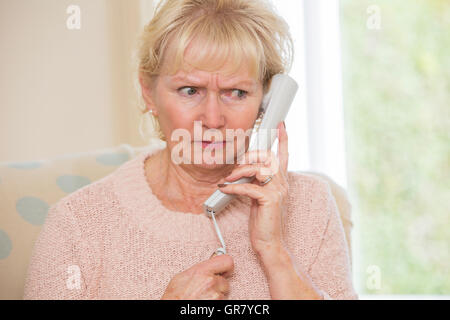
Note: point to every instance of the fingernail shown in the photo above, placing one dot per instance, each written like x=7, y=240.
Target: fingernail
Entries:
x=284, y=124
x=221, y=185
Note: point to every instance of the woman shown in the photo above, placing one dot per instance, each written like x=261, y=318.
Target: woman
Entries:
x=140, y=233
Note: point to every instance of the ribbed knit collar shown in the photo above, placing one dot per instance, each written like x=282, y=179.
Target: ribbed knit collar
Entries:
x=136, y=196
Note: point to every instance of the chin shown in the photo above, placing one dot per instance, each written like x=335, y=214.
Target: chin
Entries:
x=213, y=166
x=216, y=162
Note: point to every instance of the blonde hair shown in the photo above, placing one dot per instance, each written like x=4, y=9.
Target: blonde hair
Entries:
x=239, y=30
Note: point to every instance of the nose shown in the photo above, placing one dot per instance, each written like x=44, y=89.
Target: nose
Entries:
x=213, y=116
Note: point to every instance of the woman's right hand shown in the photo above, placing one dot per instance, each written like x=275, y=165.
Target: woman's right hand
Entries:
x=204, y=281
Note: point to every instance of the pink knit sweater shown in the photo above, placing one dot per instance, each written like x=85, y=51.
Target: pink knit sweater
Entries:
x=113, y=239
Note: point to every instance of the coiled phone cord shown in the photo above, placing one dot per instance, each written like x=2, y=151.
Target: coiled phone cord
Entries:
x=222, y=250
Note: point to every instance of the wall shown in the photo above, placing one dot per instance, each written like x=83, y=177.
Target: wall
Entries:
x=64, y=91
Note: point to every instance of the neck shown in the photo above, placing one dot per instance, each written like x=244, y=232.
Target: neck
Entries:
x=183, y=187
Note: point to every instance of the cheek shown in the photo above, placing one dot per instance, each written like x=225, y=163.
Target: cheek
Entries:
x=173, y=116
x=179, y=118
x=242, y=120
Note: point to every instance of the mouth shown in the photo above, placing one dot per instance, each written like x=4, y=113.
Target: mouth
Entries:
x=212, y=144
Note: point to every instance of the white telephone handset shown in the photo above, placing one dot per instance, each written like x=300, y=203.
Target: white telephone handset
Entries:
x=276, y=104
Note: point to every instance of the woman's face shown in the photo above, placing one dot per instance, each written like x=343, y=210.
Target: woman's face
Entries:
x=197, y=103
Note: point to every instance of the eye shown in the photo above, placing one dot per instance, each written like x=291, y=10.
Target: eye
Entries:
x=240, y=94
x=189, y=91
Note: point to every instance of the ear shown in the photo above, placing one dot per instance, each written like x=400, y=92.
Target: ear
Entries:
x=148, y=93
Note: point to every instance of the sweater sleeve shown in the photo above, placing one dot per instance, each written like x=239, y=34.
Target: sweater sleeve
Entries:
x=331, y=268
x=56, y=270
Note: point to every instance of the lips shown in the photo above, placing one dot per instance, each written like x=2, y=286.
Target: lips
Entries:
x=213, y=144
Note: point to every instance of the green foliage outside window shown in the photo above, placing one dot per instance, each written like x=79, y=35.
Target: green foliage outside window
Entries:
x=397, y=118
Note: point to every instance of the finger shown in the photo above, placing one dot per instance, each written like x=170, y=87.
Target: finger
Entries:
x=222, y=264
x=255, y=156
x=212, y=295
x=247, y=189
x=216, y=296
x=258, y=170
x=222, y=285
x=221, y=296
x=283, y=152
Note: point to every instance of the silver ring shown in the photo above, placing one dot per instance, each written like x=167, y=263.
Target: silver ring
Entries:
x=266, y=181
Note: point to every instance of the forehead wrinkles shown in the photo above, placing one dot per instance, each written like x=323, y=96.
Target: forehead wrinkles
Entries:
x=216, y=79
x=225, y=73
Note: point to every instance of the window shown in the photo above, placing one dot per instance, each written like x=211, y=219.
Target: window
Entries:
x=396, y=101
x=372, y=113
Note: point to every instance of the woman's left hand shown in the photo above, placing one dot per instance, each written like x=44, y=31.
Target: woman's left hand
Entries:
x=268, y=200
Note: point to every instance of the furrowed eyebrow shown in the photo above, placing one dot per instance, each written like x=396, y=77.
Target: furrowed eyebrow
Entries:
x=247, y=83
x=197, y=82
